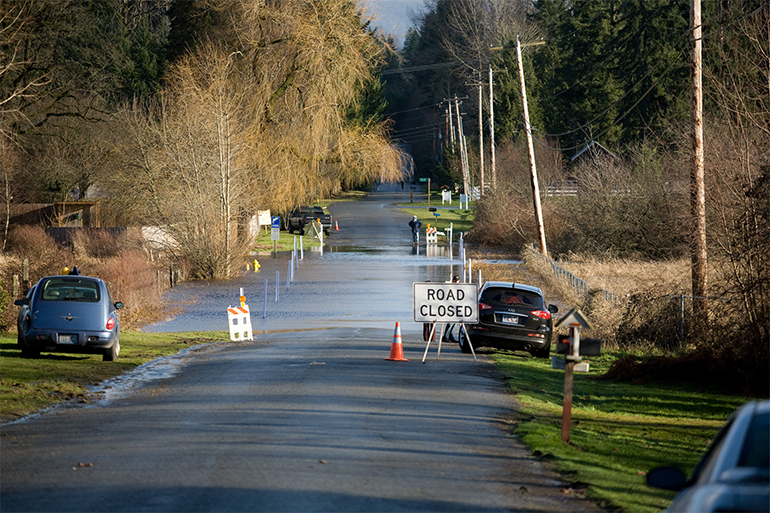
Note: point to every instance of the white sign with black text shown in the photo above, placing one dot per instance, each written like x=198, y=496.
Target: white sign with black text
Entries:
x=446, y=302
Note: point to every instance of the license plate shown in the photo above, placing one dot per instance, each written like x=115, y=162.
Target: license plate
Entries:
x=510, y=319
x=68, y=339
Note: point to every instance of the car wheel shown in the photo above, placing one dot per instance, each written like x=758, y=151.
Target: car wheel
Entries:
x=28, y=352
x=541, y=353
x=465, y=347
x=111, y=354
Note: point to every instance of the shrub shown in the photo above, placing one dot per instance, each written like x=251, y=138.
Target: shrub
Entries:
x=131, y=277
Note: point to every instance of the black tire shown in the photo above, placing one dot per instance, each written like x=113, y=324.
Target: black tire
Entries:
x=28, y=352
x=465, y=347
x=541, y=353
x=111, y=354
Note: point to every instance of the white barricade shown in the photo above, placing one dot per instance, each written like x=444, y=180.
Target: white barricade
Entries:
x=239, y=320
x=430, y=236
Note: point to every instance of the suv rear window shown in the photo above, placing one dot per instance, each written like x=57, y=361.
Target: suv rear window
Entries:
x=70, y=289
x=494, y=296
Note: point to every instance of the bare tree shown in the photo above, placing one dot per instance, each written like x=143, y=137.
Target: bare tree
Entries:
x=17, y=83
x=16, y=87
x=738, y=158
x=255, y=127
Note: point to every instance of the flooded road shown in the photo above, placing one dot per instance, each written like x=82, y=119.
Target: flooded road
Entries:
x=305, y=421
x=362, y=279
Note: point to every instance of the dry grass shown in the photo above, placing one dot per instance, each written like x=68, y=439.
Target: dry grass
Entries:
x=626, y=277
x=646, y=284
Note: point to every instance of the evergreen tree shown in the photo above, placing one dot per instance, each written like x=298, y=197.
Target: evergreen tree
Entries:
x=610, y=70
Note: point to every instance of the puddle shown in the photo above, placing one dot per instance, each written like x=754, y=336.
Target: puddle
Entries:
x=160, y=368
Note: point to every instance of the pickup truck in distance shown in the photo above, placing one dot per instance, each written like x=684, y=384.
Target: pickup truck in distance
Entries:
x=302, y=216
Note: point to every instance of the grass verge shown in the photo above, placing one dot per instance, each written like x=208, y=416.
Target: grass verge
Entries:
x=28, y=385
x=263, y=243
x=461, y=219
x=619, y=431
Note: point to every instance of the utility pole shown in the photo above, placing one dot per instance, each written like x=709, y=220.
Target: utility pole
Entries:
x=463, y=150
x=491, y=130
x=451, y=129
x=699, y=252
x=531, y=151
x=481, y=140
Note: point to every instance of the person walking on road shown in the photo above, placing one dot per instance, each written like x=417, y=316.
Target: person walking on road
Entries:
x=415, y=224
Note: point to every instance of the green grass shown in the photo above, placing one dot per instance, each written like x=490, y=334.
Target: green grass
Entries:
x=619, y=431
x=263, y=244
x=28, y=385
x=462, y=220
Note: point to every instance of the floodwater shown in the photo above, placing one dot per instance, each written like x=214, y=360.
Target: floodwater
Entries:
x=363, y=278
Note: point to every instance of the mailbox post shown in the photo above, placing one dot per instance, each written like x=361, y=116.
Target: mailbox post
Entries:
x=574, y=319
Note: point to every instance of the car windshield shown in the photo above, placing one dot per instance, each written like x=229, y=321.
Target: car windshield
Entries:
x=756, y=447
x=70, y=289
x=511, y=297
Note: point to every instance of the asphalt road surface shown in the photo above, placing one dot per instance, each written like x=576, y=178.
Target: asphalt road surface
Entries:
x=312, y=420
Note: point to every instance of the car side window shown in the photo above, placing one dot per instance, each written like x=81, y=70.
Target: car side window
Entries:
x=756, y=446
x=709, y=458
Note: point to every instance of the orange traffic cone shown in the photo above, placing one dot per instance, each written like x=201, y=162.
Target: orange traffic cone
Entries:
x=396, y=349
x=336, y=226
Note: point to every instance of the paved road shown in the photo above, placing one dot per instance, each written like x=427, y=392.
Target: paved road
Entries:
x=295, y=421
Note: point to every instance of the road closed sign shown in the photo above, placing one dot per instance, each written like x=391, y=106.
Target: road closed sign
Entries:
x=445, y=302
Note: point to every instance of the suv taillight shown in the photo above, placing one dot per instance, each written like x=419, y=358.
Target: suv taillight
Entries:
x=543, y=314
x=483, y=306
x=111, y=323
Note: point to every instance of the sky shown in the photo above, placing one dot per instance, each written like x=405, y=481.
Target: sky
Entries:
x=392, y=16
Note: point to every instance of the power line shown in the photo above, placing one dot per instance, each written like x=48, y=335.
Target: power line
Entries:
x=426, y=67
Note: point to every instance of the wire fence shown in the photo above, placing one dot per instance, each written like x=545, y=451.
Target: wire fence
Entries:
x=579, y=285
x=668, y=317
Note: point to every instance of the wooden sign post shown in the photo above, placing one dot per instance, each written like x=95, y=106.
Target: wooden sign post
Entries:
x=574, y=320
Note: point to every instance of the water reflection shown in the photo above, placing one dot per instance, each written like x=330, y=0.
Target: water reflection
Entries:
x=344, y=286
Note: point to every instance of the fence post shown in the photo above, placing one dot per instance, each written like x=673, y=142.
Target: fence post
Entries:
x=681, y=319
x=25, y=285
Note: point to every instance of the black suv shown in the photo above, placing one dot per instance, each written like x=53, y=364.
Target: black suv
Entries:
x=512, y=316
x=302, y=216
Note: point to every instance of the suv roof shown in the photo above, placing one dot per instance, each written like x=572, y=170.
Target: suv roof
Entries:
x=507, y=284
